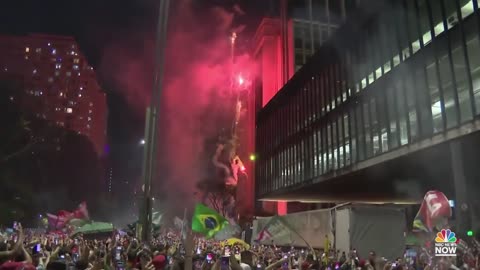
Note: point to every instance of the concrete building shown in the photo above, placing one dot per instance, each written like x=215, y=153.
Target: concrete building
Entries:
x=386, y=110
x=283, y=43
x=59, y=84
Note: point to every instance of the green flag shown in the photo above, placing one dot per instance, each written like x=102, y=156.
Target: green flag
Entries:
x=207, y=221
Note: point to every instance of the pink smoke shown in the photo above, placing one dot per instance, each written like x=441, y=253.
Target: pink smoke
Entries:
x=198, y=63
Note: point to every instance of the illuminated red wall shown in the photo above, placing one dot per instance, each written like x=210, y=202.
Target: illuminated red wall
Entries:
x=268, y=54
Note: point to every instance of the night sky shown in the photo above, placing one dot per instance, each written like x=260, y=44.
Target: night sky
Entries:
x=96, y=24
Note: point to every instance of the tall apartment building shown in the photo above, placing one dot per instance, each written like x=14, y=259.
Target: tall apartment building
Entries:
x=59, y=84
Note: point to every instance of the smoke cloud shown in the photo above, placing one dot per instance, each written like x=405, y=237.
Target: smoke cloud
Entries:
x=196, y=90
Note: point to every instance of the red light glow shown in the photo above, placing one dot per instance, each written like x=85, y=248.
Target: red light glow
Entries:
x=242, y=168
x=240, y=80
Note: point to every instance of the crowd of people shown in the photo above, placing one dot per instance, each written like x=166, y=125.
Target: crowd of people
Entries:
x=21, y=250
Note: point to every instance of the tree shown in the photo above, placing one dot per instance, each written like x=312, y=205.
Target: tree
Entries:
x=218, y=148
x=43, y=167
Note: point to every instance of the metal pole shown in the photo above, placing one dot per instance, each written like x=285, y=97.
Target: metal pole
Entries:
x=150, y=160
x=310, y=18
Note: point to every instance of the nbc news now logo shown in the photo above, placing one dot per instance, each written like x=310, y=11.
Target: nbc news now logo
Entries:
x=446, y=244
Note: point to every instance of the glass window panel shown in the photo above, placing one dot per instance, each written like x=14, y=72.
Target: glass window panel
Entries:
x=366, y=125
x=402, y=28
x=392, y=115
x=346, y=139
x=436, y=10
x=335, y=8
x=318, y=10
x=466, y=8
x=360, y=130
x=448, y=89
x=473, y=49
x=353, y=135
x=462, y=81
x=423, y=95
x=385, y=41
x=382, y=120
x=375, y=127
x=328, y=151
x=401, y=109
x=341, y=142
x=424, y=22
x=297, y=35
x=436, y=104
x=334, y=145
x=411, y=106
x=451, y=13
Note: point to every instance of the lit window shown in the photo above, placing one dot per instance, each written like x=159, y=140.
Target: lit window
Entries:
x=49, y=44
x=41, y=93
x=69, y=73
x=57, y=73
x=88, y=126
x=91, y=104
x=27, y=49
x=69, y=110
x=72, y=53
x=75, y=67
x=81, y=88
x=6, y=69
x=26, y=57
x=79, y=95
x=89, y=111
x=38, y=50
x=54, y=51
x=50, y=79
x=34, y=71
x=78, y=74
x=89, y=119
x=58, y=66
x=61, y=94
x=76, y=61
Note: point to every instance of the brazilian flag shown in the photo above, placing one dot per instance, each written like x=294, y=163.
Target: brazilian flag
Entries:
x=207, y=221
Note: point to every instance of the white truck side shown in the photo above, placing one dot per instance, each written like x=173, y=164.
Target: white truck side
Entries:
x=362, y=227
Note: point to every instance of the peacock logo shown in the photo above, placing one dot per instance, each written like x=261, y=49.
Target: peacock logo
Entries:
x=446, y=236
x=446, y=243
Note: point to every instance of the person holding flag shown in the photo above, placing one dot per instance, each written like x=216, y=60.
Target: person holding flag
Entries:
x=207, y=221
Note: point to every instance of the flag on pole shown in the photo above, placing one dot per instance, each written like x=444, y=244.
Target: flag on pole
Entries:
x=157, y=218
x=434, y=212
x=184, y=226
x=207, y=221
x=276, y=227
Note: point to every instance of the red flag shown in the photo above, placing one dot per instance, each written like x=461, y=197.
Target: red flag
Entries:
x=56, y=222
x=435, y=208
x=64, y=213
x=63, y=217
x=81, y=212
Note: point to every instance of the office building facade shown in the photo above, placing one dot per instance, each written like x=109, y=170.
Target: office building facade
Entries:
x=59, y=84
x=402, y=76
x=282, y=49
